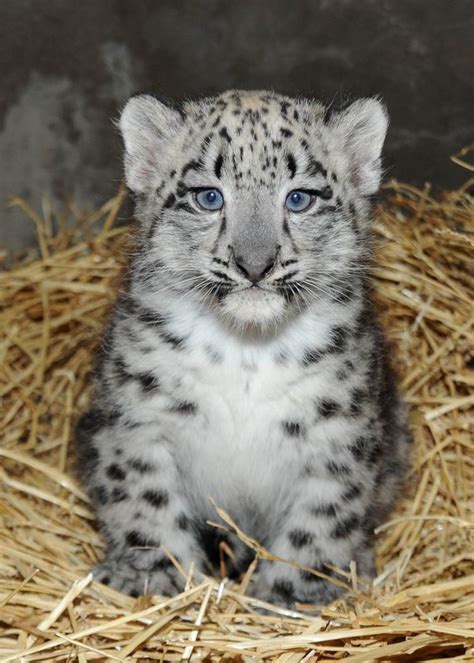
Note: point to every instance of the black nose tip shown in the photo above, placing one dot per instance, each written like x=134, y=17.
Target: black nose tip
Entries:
x=254, y=271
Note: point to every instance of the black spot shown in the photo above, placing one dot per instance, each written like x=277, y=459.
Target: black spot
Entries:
x=221, y=262
x=115, y=472
x=170, y=201
x=352, y=492
x=176, y=341
x=359, y=448
x=337, y=469
x=182, y=522
x=141, y=466
x=122, y=371
x=184, y=407
x=285, y=589
x=374, y=453
x=326, y=193
x=344, y=293
x=315, y=167
x=334, y=177
x=218, y=165
x=150, y=318
x=156, y=498
x=105, y=580
x=306, y=576
x=338, y=342
x=328, y=408
x=90, y=424
x=181, y=189
x=148, y=382
x=221, y=275
x=119, y=495
x=299, y=538
x=191, y=165
x=328, y=509
x=358, y=398
x=345, y=527
x=327, y=209
x=100, y=495
x=162, y=564
x=185, y=207
x=129, y=423
x=287, y=133
x=293, y=428
x=225, y=134
x=136, y=539
x=291, y=163
x=341, y=374
x=312, y=356
x=208, y=538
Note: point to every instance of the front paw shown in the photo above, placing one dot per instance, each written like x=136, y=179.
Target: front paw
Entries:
x=161, y=578
x=296, y=587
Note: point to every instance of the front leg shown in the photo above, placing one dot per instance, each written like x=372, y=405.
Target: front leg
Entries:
x=136, y=489
x=329, y=523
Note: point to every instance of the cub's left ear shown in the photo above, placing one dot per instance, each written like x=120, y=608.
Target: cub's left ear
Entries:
x=362, y=128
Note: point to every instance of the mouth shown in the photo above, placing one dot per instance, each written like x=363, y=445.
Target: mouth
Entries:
x=252, y=307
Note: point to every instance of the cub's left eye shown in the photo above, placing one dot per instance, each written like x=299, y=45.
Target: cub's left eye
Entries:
x=298, y=201
x=209, y=199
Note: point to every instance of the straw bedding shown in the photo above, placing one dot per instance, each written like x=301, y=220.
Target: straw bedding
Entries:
x=421, y=607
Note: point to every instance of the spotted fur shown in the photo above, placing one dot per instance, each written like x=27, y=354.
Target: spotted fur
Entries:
x=243, y=362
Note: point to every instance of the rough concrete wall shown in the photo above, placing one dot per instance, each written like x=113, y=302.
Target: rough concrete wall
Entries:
x=67, y=67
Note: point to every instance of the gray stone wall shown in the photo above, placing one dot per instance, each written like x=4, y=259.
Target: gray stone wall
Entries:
x=67, y=67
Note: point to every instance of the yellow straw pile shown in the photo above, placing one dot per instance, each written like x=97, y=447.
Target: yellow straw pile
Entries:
x=421, y=607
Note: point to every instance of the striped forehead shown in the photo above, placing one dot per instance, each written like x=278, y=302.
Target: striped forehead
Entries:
x=256, y=138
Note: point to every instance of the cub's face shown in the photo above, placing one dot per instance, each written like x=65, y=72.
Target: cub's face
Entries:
x=253, y=203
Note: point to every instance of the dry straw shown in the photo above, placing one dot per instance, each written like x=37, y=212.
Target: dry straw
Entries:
x=421, y=607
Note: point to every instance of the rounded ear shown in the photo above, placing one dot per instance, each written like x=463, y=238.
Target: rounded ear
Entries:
x=147, y=126
x=361, y=128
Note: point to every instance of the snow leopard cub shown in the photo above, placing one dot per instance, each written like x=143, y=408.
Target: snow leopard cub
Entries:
x=243, y=362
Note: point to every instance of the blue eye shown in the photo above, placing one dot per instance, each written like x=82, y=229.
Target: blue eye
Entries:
x=298, y=201
x=209, y=199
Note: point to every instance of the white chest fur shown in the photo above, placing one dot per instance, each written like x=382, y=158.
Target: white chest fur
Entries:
x=235, y=448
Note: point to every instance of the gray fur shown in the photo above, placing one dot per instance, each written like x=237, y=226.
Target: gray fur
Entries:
x=275, y=399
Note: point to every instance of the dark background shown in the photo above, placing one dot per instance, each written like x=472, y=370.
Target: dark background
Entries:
x=68, y=66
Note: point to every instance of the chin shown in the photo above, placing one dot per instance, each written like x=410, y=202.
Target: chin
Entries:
x=253, y=311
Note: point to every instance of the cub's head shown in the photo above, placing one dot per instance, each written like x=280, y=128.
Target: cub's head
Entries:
x=253, y=203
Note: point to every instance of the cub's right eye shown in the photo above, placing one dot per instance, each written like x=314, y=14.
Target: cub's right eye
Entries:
x=209, y=199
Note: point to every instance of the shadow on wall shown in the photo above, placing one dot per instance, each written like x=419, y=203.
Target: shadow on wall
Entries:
x=79, y=62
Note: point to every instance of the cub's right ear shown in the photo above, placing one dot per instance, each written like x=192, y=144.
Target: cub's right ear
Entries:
x=147, y=127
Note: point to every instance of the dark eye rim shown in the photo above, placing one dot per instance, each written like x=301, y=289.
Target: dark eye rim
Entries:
x=199, y=189
x=312, y=193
